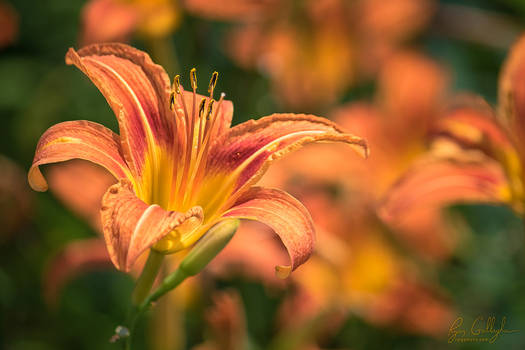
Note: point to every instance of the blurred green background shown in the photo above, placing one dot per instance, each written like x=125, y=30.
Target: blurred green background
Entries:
x=38, y=90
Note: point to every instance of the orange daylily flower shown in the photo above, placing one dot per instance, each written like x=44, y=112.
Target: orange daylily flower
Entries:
x=180, y=167
x=354, y=267
x=117, y=20
x=413, y=206
x=478, y=154
x=316, y=49
x=411, y=91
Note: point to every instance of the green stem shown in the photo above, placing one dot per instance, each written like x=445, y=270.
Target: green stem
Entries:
x=142, y=288
x=201, y=254
x=169, y=283
x=147, y=277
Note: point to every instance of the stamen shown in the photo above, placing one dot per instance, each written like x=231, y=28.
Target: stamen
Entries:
x=201, y=107
x=213, y=82
x=209, y=126
x=176, y=84
x=172, y=100
x=210, y=108
x=175, y=89
x=193, y=78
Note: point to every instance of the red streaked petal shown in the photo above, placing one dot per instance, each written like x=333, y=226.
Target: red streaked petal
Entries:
x=77, y=139
x=76, y=257
x=413, y=206
x=471, y=123
x=138, y=92
x=131, y=226
x=283, y=213
x=245, y=152
x=512, y=91
x=445, y=182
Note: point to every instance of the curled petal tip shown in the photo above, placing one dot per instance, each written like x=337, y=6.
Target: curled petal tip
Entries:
x=360, y=145
x=71, y=56
x=36, y=180
x=286, y=216
x=282, y=271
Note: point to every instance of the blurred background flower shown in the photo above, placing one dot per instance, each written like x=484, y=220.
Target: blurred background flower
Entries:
x=315, y=50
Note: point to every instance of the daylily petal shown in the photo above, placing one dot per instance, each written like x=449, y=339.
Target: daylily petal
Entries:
x=512, y=91
x=283, y=213
x=76, y=257
x=413, y=206
x=244, y=153
x=446, y=182
x=138, y=92
x=471, y=124
x=77, y=139
x=131, y=226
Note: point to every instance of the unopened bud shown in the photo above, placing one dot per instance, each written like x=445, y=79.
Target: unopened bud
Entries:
x=209, y=246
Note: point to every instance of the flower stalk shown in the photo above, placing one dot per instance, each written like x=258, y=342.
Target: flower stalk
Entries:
x=147, y=277
x=197, y=259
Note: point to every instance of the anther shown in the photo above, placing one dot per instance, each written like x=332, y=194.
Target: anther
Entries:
x=213, y=82
x=193, y=78
x=172, y=100
x=201, y=107
x=210, y=108
x=176, y=84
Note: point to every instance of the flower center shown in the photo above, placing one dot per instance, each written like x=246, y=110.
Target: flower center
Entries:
x=179, y=181
x=196, y=119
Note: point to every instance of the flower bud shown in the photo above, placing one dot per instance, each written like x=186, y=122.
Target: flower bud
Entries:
x=209, y=246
